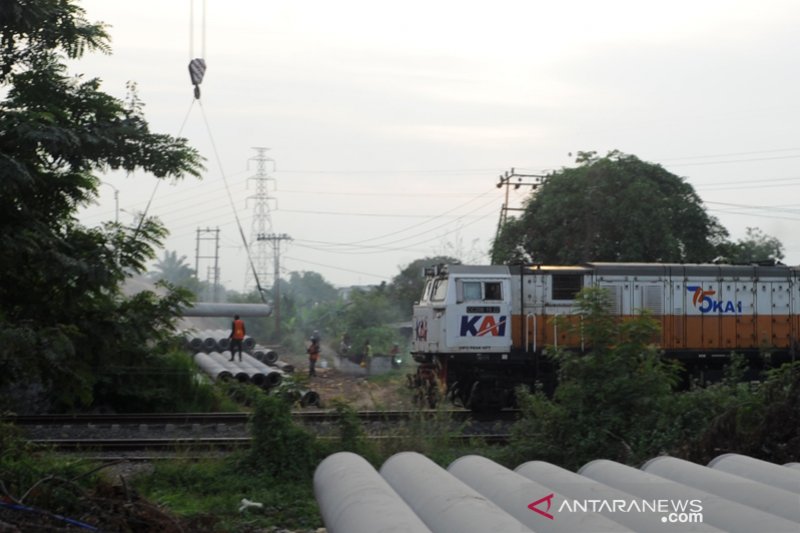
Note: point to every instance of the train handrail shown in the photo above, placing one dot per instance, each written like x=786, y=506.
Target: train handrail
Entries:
x=528, y=318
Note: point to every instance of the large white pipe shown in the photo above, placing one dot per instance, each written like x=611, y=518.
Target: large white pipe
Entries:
x=716, y=510
x=443, y=502
x=240, y=374
x=515, y=493
x=577, y=488
x=735, y=488
x=354, y=498
x=227, y=309
x=273, y=376
x=758, y=470
x=254, y=374
x=211, y=367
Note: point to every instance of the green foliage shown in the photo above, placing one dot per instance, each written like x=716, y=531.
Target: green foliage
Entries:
x=210, y=491
x=280, y=448
x=609, y=400
x=406, y=287
x=755, y=247
x=763, y=422
x=61, y=311
x=617, y=402
x=614, y=208
x=175, y=270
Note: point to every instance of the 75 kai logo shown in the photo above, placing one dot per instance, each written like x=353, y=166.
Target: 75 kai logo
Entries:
x=703, y=301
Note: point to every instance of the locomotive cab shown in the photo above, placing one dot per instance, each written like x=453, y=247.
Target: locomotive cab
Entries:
x=462, y=329
x=463, y=310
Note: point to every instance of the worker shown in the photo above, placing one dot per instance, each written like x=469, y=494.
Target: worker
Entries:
x=313, y=356
x=237, y=336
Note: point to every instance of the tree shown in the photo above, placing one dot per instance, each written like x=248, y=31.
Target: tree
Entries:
x=755, y=247
x=64, y=323
x=614, y=208
x=173, y=269
x=615, y=401
x=406, y=287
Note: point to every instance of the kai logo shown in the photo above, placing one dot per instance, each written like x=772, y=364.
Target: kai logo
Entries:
x=480, y=325
x=704, y=302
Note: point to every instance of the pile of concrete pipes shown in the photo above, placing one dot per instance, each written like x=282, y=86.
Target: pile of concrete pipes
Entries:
x=219, y=366
x=214, y=340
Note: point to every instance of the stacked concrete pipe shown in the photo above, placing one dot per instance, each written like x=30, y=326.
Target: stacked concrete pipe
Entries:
x=212, y=367
x=274, y=376
x=240, y=374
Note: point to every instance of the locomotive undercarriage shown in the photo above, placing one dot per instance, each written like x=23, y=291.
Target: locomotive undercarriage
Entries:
x=486, y=382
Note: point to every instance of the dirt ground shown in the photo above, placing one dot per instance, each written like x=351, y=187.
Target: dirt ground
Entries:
x=337, y=381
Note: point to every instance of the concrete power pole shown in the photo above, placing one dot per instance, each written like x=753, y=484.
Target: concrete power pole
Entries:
x=530, y=180
x=275, y=241
x=212, y=273
x=262, y=221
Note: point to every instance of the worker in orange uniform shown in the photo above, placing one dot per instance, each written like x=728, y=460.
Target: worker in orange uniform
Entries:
x=237, y=336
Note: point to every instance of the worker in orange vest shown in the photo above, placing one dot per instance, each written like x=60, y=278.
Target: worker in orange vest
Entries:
x=236, y=336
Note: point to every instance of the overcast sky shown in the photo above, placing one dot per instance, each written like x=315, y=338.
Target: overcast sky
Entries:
x=389, y=122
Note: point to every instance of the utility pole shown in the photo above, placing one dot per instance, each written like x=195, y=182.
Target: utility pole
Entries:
x=527, y=180
x=197, y=257
x=275, y=241
x=262, y=221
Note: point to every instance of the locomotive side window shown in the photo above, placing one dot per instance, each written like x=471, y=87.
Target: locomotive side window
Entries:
x=472, y=290
x=493, y=290
x=566, y=286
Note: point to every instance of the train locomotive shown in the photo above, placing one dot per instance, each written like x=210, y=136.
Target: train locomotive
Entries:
x=480, y=331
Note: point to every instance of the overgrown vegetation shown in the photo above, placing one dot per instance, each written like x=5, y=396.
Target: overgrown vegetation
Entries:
x=616, y=401
x=65, y=327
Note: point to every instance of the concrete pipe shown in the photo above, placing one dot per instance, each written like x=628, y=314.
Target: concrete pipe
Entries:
x=735, y=488
x=193, y=342
x=442, y=501
x=284, y=367
x=209, y=342
x=758, y=470
x=248, y=343
x=716, y=510
x=211, y=367
x=273, y=377
x=577, y=488
x=256, y=376
x=265, y=355
x=354, y=498
x=310, y=398
x=240, y=375
x=516, y=494
x=227, y=310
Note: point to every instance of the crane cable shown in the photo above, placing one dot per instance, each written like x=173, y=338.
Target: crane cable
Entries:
x=197, y=70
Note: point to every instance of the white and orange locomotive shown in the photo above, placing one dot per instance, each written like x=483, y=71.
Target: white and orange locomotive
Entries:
x=479, y=331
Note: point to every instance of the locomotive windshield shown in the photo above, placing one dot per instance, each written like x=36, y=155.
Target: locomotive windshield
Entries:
x=439, y=290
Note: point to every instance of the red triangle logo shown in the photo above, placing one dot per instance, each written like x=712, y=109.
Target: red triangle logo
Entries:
x=549, y=500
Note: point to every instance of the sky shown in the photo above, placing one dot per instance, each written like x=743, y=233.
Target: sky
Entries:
x=389, y=123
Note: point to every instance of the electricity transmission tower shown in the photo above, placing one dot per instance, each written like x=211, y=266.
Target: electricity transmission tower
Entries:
x=262, y=221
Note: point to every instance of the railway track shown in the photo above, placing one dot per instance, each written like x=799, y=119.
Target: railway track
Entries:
x=198, y=433
x=242, y=418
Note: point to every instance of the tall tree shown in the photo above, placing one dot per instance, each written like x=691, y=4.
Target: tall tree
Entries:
x=173, y=269
x=64, y=323
x=406, y=287
x=612, y=208
x=755, y=247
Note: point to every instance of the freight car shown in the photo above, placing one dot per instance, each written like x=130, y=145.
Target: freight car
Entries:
x=479, y=331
